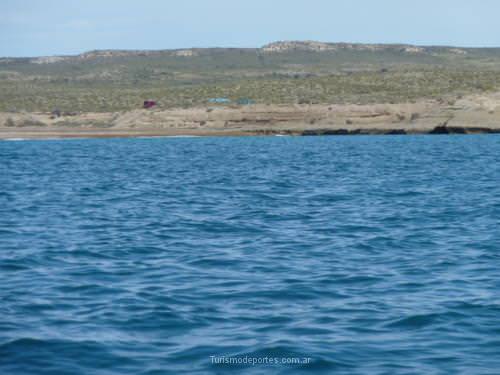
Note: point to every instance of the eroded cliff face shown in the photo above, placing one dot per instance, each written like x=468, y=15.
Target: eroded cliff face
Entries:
x=313, y=46
x=470, y=114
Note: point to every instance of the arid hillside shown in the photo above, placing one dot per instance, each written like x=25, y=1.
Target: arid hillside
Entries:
x=280, y=73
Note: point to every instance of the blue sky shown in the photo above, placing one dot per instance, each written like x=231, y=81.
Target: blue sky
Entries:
x=50, y=27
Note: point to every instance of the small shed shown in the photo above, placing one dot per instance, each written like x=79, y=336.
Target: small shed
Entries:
x=149, y=104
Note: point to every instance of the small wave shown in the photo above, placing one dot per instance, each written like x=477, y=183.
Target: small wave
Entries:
x=38, y=139
x=415, y=321
x=42, y=356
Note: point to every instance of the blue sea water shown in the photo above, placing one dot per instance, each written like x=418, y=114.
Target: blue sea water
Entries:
x=327, y=255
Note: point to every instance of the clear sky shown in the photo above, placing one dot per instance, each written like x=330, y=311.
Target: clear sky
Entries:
x=50, y=27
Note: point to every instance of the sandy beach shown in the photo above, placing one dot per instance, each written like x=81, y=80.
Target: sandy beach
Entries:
x=471, y=114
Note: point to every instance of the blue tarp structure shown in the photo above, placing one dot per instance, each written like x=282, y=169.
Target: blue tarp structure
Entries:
x=219, y=100
x=245, y=101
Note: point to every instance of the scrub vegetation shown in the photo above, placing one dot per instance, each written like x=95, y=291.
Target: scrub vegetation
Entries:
x=111, y=81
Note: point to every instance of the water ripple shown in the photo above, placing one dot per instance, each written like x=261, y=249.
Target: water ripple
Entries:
x=361, y=254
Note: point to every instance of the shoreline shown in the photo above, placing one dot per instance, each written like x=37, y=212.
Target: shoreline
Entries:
x=37, y=135
x=475, y=114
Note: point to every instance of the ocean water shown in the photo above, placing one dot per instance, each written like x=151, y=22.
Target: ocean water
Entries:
x=344, y=255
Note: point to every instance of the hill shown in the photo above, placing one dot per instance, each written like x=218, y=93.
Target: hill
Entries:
x=290, y=72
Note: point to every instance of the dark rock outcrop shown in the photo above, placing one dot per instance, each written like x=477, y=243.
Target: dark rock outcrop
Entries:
x=443, y=129
x=318, y=132
x=396, y=132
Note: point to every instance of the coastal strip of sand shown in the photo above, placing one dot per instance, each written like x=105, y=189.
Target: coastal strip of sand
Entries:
x=472, y=114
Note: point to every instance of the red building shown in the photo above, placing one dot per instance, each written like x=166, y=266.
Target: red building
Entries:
x=149, y=104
